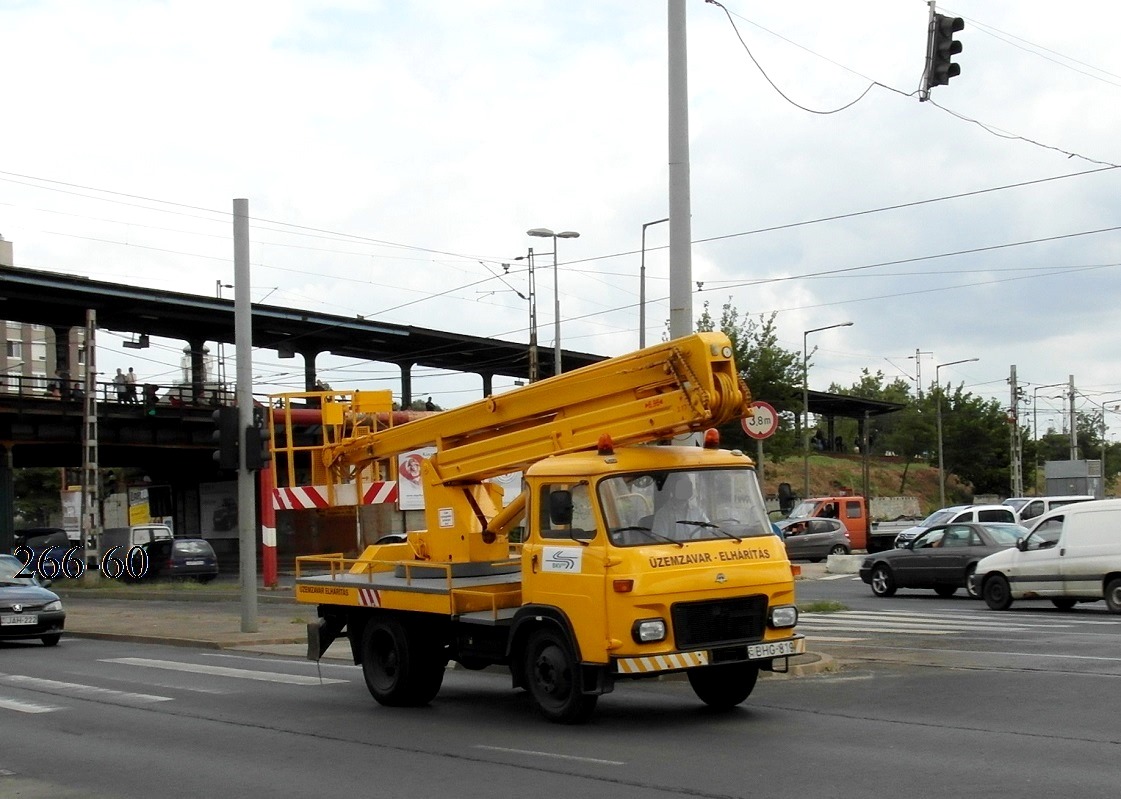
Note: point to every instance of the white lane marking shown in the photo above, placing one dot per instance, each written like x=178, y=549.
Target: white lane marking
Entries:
x=82, y=691
x=833, y=577
x=223, y=671
x=25, y=707
x=265, y=658
x=918, y=624
x=834, y=638
x=551, y=754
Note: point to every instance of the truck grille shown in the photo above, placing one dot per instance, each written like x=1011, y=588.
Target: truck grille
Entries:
x=719, y=621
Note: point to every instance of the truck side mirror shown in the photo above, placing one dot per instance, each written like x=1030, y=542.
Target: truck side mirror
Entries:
x=560, y=508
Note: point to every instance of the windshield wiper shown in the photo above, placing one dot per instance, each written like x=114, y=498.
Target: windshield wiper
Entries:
x=711, y=526
x=649, y=532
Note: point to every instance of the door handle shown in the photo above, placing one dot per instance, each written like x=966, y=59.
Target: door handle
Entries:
x=533, y=564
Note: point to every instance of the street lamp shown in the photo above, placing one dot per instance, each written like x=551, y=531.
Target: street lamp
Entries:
x=642, y=285
x=545, y=233
x=938, y=418
x=806, y=404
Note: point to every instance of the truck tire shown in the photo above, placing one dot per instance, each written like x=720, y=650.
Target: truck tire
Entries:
x=552, y=676
x=400, y=668
x=997, y=593
x=724, y=687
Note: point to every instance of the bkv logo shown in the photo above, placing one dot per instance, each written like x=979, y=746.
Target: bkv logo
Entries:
x=562, y=560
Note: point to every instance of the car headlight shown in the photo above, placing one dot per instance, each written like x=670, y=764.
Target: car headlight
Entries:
x=645, y=631
x=784, y=616
x=52, y=606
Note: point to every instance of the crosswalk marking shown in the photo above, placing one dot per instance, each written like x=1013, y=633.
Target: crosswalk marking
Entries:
x=945, y=623
x=81, y=691
x=8, y=703
x=224, y=671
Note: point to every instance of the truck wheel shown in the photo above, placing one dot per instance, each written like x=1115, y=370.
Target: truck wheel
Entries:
x=400, y=669
x=997, y=594
x=724, y=686
x=553, y=678
x=1113, y=595
x=883, y=584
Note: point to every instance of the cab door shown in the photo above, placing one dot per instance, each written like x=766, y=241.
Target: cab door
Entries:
x=564, y=561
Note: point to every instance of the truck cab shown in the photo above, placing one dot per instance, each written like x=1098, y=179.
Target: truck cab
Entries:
x=849, y=510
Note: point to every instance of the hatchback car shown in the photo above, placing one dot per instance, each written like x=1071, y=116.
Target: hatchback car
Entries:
x=27, y=608
x=943, y=558
x=191, y=558
x=814, y=539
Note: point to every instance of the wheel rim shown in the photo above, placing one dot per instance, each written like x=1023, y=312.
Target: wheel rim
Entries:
x=386, y=661
x=879, y=581
x=551, y=675
x=996, y=591
x=837, y=550
x=969, y=589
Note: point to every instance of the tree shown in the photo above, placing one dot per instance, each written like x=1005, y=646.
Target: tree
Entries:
x=772, y=374
x=37, y=495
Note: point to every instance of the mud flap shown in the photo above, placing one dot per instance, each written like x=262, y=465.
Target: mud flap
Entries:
x=321, y=633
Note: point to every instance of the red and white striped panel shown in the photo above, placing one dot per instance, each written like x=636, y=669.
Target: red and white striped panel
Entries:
x=378, y=493
x=368, y=598
x=305, y=497
x=299, y=497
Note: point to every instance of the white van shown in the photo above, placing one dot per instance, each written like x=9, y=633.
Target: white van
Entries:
x=1072, y=554
x=1028, y=508
x=135, y=536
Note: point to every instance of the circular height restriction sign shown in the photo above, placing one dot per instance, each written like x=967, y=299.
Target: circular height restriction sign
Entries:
x=762, y=423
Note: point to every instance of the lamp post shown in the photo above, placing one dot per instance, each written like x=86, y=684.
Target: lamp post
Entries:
x=546, y=233
x=938, y=419
x=642, y=285
x=806, y=404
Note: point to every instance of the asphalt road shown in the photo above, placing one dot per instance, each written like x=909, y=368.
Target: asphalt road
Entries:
x=931, y=699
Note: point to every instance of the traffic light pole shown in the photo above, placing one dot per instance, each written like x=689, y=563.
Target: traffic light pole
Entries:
x=243, y=344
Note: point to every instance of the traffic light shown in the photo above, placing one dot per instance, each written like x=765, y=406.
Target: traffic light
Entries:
x=257, y=453
x=941, y=47
x=225, y=436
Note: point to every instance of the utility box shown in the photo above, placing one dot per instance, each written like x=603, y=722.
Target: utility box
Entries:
x=1074, y=477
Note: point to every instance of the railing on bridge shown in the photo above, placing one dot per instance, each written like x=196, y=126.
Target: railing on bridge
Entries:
x=22, y=387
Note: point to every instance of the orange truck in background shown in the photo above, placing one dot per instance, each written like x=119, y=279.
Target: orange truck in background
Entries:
x=853, y=512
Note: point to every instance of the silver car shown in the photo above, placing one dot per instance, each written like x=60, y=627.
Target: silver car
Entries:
x=814, y=539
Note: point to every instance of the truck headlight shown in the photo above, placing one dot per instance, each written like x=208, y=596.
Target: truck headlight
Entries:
x=784, y=616
x=645, y=631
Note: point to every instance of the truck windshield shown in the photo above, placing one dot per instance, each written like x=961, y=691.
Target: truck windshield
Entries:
x=677, y=507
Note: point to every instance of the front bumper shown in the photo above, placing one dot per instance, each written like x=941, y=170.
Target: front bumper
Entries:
x=761, y=652
x=46, y=624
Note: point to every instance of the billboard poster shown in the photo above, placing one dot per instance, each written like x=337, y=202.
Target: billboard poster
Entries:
x=218, y=509
x=410, y=492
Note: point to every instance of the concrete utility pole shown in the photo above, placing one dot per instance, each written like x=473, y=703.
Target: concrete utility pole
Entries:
x=918, y=370
x=1073, y=424
x=680, y=209
x=91, y=482
x=243, y=346
x=1016, y=453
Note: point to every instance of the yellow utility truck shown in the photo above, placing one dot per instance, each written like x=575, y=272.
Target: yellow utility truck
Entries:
x=616, y=561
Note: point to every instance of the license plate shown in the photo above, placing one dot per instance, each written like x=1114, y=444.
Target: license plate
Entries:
x=23, y=618
x=196, y=562
x=773, y=650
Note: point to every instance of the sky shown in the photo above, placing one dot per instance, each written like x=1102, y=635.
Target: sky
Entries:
x=394, y=154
